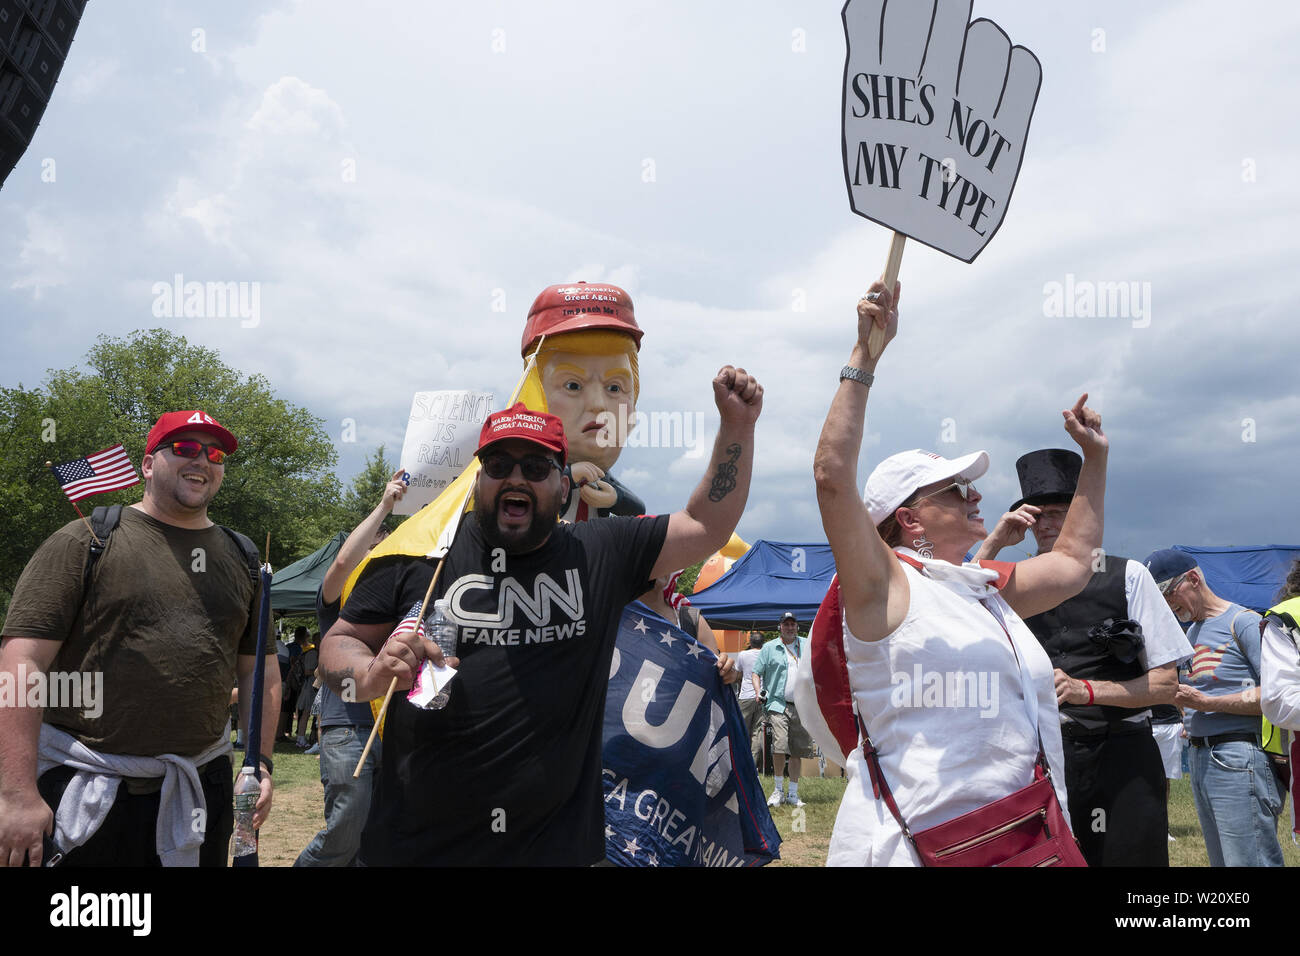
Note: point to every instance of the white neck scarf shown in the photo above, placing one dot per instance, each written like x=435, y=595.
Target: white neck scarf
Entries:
x=966, y=579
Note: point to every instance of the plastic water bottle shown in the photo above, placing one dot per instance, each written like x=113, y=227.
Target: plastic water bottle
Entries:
x=444, y=632
x=247, y=790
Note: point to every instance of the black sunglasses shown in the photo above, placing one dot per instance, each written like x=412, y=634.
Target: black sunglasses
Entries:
x=192, y=449
x=499, y=465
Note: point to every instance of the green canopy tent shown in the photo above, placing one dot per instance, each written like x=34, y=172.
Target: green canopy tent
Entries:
x=293, y=589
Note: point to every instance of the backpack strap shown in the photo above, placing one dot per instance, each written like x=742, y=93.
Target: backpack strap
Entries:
x=1240, y=648
x=102, y=522
x=1267, y=729
x=248, y=550
x=689, y=619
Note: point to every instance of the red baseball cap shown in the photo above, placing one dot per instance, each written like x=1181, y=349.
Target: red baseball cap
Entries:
x=574, y=306
x=520, y=421
x=173, y=423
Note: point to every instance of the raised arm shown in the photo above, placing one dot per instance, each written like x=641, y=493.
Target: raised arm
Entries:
x=873, y=587
x=360, y=540
x=715, y=507
x=1042, y=582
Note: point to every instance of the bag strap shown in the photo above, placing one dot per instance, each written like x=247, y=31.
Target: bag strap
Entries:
x=248, y=550
x=102, y=522
x=689, y=619
x=1232, y=628
x=880, y=786
x=1265, y=735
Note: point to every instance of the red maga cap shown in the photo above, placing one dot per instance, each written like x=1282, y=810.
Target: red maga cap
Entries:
x=173, y=423
x=574, y=306
x=520, y=421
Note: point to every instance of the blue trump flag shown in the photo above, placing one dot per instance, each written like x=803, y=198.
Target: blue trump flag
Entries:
x=681, y=788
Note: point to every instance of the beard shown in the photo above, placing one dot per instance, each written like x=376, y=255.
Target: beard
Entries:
x=516, y=540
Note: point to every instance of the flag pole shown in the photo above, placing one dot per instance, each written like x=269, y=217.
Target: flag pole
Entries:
x=392, y=684
x=253, y=736
x=50, y=465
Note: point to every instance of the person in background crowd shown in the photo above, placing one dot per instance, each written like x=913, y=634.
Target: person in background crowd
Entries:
x=1280, y=670
x=1237, y=798
x=776, y=666
x=751, y=690
x=1171, y=736
x=1115, y=648
x=291, y=683
x=305, y=673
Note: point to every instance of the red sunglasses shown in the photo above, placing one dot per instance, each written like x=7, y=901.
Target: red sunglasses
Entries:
x=192, y=449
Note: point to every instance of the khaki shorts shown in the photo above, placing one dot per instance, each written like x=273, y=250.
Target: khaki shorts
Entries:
x=788, y=735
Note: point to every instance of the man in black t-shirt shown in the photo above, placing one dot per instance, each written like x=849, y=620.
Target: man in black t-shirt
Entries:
x=509, y=771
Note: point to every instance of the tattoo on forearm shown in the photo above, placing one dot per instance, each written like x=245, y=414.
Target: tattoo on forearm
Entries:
x=335, y=678
x=724, y=482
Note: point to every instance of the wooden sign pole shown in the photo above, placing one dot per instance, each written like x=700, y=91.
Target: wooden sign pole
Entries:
x=876, y=340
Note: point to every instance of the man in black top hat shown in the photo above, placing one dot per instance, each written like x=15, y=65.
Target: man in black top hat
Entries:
x=1115, y=648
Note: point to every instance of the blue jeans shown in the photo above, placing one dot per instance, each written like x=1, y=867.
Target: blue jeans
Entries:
x=1237, y=801
x=347, y=801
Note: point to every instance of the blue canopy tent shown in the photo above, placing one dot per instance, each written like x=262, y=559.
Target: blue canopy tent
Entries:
x=1250, y=577
x=769, y=579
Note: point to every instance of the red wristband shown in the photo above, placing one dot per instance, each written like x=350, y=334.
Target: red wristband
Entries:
x=1089, y=686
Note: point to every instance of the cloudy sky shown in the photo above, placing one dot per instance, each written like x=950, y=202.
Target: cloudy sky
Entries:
x=402, y=178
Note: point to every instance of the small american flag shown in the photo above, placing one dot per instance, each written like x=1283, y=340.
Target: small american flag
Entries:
x=414, y=621
x=105, y=470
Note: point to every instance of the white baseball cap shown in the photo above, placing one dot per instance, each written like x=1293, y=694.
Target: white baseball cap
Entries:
x=896, y=478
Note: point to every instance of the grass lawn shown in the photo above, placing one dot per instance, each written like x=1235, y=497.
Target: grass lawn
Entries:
x=298, y=812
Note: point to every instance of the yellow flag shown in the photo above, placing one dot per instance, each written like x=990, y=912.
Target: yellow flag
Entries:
x=430, y=531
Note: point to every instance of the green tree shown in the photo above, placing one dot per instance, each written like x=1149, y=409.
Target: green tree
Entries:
x=366, y=490
x=686, y=583
x=279, y=480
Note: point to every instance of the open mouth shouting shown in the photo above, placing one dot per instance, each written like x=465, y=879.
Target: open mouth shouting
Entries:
x=515, y=508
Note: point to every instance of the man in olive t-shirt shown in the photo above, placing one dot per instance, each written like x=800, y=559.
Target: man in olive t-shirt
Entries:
x=163, y=631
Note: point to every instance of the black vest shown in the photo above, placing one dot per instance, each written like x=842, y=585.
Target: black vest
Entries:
x=1063, y=632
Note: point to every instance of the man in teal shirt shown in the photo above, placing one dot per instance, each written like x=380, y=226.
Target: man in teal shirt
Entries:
x=777, y=664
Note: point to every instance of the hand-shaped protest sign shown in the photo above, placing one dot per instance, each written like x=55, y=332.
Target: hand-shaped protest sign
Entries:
x=936, y=114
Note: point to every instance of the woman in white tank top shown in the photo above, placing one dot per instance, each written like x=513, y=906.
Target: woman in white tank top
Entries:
x=954, y=690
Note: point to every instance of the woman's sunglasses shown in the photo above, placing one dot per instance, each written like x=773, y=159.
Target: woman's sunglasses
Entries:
x=192, y=449
x=964, y=487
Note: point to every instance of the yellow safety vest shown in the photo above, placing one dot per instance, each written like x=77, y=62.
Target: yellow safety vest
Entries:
x=1284, y=615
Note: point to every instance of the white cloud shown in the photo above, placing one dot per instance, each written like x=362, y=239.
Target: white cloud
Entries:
x=42, y=257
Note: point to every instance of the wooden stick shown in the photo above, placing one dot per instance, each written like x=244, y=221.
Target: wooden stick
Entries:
x=876, y=340
x=392, y=684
